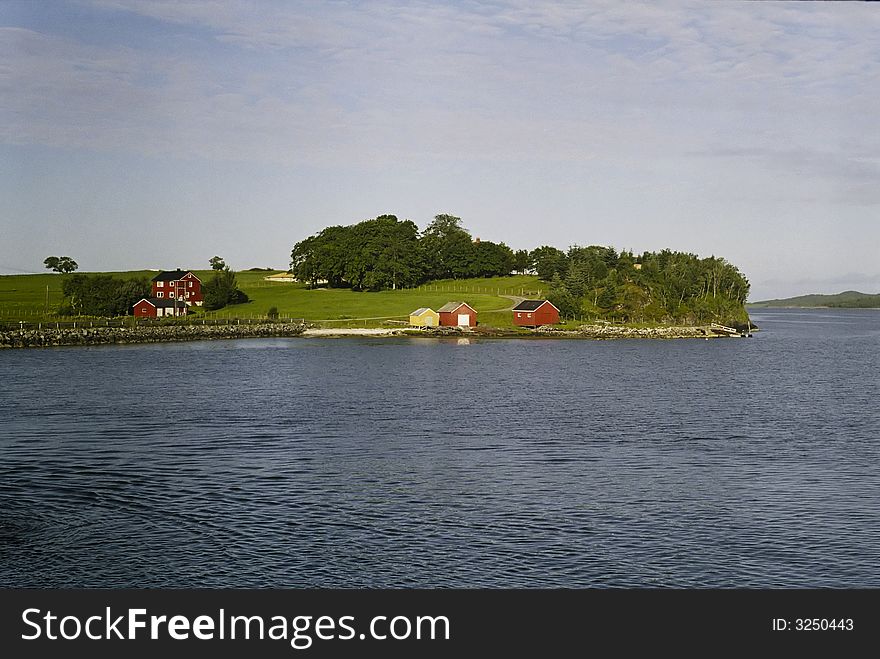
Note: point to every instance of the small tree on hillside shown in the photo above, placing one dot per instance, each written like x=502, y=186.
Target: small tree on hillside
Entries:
x=217, y=263
x=223, y=289
x=522, y=261
x=62, y=264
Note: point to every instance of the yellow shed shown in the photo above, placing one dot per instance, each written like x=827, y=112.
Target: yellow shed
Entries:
x=424, y=317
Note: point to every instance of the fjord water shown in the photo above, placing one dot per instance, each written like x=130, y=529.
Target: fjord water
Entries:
x=435, y=463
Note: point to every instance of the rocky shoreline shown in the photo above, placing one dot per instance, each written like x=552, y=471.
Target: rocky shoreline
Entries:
x=595, y=332
x=46, y=338
x=622, y=332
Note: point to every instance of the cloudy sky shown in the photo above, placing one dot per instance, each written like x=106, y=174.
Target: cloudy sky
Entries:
x=156, y=134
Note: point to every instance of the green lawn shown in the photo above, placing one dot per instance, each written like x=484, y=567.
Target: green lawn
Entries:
x=342, y=308
x=23, y=297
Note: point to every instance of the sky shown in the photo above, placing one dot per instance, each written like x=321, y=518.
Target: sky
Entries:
x=147, y=134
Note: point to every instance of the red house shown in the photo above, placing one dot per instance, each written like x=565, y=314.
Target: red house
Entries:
x=178, y=285
x=156, y=308
x=457, y=314
x=532, y=313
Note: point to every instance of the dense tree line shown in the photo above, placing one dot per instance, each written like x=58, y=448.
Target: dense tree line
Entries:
x=663, y=286
x=391, y=253
x=101, y=295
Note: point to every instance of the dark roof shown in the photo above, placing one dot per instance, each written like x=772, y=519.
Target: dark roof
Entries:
x=164, y=304
x=172, y=275
x=529, y=305
x=452, y=306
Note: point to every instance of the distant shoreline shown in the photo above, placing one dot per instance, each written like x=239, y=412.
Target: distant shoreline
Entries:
x=843, y=300
x=759, y=307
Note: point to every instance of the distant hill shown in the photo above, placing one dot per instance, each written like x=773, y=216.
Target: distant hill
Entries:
x=845, y=300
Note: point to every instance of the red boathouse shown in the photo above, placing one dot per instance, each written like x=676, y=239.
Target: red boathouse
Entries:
x=457, y=314
x=533, y=313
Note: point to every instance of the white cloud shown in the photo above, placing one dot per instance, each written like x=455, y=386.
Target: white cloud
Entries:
x=351, y=83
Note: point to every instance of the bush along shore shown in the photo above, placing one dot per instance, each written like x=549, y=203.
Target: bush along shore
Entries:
x=44, y=338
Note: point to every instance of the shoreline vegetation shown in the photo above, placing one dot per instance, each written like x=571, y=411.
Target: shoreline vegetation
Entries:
x=91, y=336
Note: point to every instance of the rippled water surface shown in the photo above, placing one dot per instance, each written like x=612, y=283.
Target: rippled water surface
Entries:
x=398, y=463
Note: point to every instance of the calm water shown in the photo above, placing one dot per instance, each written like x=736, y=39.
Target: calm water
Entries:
x=398, y=463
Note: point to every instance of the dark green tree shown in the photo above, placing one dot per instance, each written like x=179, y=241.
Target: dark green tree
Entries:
x=101, y=295
x=491, y=259
x=563, y=299
x=448, y=248
x=370, y=255
x=549, y=261
x=522, y=261
x=222, y=289
x=62, y=264
x=217, y=263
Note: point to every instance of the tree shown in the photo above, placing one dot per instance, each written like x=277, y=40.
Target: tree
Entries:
x=391, y=250
x=522, y=261
x=448, y=248
x=491, y=260
x=223, y=289
x=102, y=295
x=62, y=264
x=217, y=263
x=549, y=261
x=370, y=255
x=563, y=299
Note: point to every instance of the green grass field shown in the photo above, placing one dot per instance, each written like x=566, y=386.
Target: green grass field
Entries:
x=28, y=297
x=24, y=297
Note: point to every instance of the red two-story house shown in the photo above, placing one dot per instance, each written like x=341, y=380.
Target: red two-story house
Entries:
x=180, y=285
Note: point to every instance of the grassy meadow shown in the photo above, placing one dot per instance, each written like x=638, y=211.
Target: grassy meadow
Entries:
x=24, y=297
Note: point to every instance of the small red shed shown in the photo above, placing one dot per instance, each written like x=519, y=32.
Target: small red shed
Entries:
x=457, y=314
x=532, y=313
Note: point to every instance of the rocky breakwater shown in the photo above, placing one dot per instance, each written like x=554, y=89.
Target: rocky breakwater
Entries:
x=623, y=332
x=44, y=338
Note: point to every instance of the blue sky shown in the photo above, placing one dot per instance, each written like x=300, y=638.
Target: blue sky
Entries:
x=158, y=134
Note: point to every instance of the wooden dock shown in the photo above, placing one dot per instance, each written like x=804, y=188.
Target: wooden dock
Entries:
x=724, y=330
